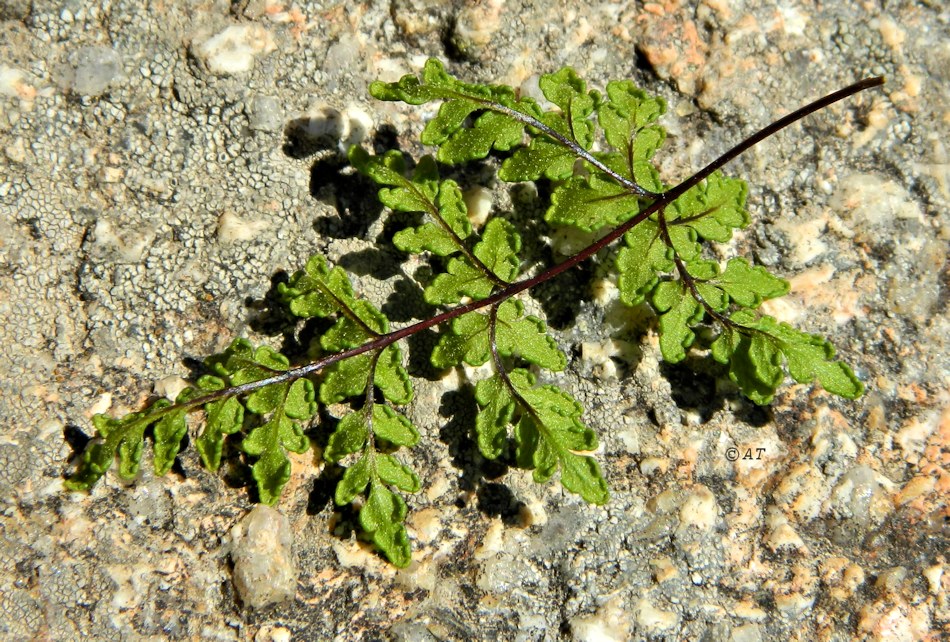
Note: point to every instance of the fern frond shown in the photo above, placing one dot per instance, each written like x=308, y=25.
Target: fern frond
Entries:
x=256, y=394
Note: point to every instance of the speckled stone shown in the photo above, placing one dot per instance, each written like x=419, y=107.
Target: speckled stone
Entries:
x=147, y=210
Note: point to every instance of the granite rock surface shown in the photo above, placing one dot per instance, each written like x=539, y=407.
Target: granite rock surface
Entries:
x=162, y=163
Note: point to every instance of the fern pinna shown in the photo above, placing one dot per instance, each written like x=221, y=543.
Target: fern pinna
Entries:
x=597, y=150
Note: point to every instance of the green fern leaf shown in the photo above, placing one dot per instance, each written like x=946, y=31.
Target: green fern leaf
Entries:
x=347, y=378
x=496, y=408
x=222, y=417
x=352, y=431
x=353, y=483
x=641, y=262
x=393, y=427
x=467, y=340
x=268, y=441
x=310, y=292
x=757, y=346
x=714, y=208
x=498, y=249
x=456, y=142
x=627, y=117
x=168, y=433
x=460, y=279
x=95, y=461
x=391, y=377
x=382, y=518
x=442, y=200
x=246, y=366
x=281, y=403
x=754, y=360
x=498, y=252
x=748, y=285
x=705, y=270
x=490, y=131
x=592, y=203
x=319, y=291
x=349, y=437
x=123, y=436
x=360, y=321
x=685, y=242
x=546, y=434
x=300, y=403
x=435, y=84
x=556, y=411
x=516, y=335
x=663, y=262
x=679, y=311
x=344, y=379
x=544, y=156
x=396, y=474
x=451, y=226
x=403, y=194
x=569, y=92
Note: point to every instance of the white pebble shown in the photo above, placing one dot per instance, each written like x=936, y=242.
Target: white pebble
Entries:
x=129, y=245
x=170, y=387
x=13, y=83
x=262, y=551
x=699, y=509
x=478, y=202
x=232, y=228
x=653, y=619
x=358, y=126
x=233, y=50
x=96, y=69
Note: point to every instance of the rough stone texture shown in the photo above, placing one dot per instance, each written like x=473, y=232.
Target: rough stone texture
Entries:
x=144, y=214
